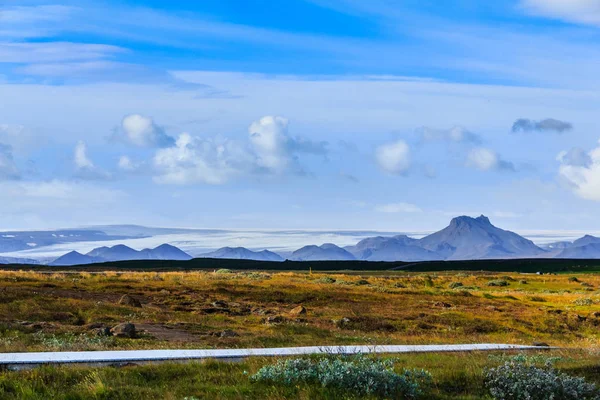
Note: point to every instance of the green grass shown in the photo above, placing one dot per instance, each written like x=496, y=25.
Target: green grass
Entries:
x=455, y=376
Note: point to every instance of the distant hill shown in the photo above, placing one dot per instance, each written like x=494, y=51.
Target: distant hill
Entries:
x=74, y=258
x=585, y=240
x=121, y=253
x=16, y=260
x=469, y=238
x=587, y=251
x=241, y=253
x=400, y=247
x=327, y=251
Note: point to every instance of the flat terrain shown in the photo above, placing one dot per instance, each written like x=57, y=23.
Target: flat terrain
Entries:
x=225, y=309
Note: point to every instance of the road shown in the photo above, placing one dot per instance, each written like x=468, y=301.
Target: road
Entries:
x=27, y=360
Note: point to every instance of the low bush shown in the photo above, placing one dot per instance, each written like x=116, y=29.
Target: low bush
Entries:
x=359, y=375
x=584, y=301
x=573, y=279
x=223, y=271
x=455, y=285
x=498, y=282
x=517, y=379
x=326, y=279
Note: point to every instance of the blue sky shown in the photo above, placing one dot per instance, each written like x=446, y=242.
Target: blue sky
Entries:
x=348, y=114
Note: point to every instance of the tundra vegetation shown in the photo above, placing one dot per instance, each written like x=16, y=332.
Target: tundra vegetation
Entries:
x=230, y=309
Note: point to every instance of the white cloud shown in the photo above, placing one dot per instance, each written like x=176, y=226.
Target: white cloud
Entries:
x=81, y=158
x=196, y=160
x=54, y=52
x=578, y=11
x=270, y=150
x=85, y=168
x=398, y=208
x=127, y=164
x=269, y=139
x=394, y=158
x=486, y=159
x=582, y=172
x=141, y=131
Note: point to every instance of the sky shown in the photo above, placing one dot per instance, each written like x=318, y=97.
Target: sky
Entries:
x=303, y=114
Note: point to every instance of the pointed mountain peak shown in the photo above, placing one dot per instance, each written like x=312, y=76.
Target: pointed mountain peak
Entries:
x=483, y=219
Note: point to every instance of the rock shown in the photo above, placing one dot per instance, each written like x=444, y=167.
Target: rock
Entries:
x=126, y=330
x=105, y=331
x=555, y=312
x=344, y=322
x=228, y=333
x=127, y=300
x=298, y=311
x=493, y=308
x=262, y=311
x=275, y=319
x=442, y=304
x=540, y=344
x=219, y=304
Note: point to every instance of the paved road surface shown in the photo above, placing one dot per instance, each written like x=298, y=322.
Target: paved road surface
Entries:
x=24, y=360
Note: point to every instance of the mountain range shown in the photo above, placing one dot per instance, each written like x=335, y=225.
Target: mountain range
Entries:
x=465, y=238
x=121, y=253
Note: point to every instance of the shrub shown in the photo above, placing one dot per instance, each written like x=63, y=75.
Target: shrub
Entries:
x=455, y=285
x=523, y=282
x=518, y=380
x=498, y=282
x=223, y=271
x=326, y=279
x=537, y=298
x=584, y=301
x=358, y=375
x=573, y=279
x=362, y=282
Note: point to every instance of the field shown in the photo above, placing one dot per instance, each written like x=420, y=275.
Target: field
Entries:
x=43, y=311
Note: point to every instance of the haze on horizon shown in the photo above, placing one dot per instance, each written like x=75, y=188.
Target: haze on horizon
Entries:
x=365, y=115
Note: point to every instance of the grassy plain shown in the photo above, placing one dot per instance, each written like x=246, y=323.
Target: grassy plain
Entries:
x=64, y=311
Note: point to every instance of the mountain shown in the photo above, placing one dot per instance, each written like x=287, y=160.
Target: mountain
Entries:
x=119, y=252
x=15, y=260
x=325, y=252
x=122, y=253
x=590, y=250
x=469, y=238
x=395, y=248
x=74, y=258
x=585, y=240
x=165, y=252
x=242, y=253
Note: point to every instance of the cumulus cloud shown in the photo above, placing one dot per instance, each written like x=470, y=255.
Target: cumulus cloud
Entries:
x=394, y=157
x=197, y=160
x=456, y=134
x=8, y=168
x=274, y=148
x=545, y=125
x=85, y=168
x=578, y=11
x=398, y=208
x=581, y=170
x=141, y=131
x=485, y=159
x=269, y=150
